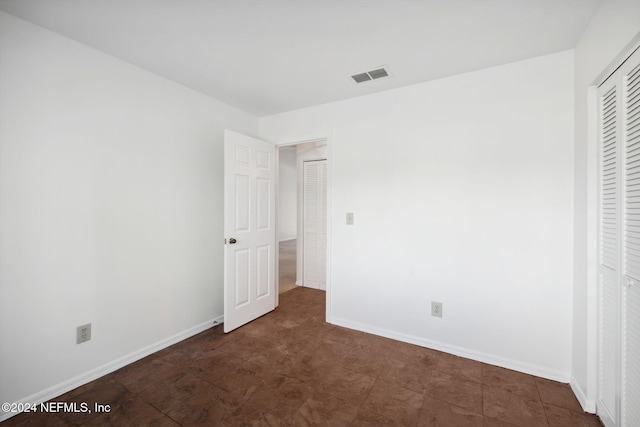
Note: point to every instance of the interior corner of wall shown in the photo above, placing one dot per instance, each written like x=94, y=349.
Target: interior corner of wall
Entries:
x=588, y=405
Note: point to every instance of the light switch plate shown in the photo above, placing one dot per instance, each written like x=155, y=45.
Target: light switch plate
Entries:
x=349, y=218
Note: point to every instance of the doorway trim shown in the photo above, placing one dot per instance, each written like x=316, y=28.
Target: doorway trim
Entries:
x=295, y=142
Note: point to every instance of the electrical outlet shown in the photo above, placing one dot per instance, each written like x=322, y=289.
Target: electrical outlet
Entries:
x=83, y=333
x=436, y=309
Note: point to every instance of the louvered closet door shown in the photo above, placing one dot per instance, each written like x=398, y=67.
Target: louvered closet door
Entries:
x=630, y=375
x=619, y=277
x=314, y=218
x=608, y=378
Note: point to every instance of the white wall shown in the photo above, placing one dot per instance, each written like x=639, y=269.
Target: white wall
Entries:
x=462, y=190
x=613, y=26
x=287, y=194
x=111, y=210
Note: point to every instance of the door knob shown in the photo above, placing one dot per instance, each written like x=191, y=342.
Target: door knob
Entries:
x=232, y=241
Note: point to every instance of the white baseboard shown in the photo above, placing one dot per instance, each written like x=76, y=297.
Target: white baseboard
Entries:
x=458, y=351
x=587, y=405
x=87, y=377
x=284, y=239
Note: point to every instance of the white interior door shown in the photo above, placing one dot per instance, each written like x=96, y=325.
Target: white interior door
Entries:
x=630, y=301
x=618, y=402
x=249, y=223
x=315, y=224
x=609, y=256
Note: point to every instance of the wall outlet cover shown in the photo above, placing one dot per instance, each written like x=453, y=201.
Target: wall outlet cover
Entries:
x=83, y=333
x=436, y=309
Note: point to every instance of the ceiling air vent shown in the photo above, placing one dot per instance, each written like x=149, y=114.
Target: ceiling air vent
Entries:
x=366, y=76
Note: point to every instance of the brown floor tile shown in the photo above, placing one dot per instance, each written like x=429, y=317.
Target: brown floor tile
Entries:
x=281, y=398
x=515, y=382
x=459, y=367
x=325, y=410
x=409, y=375
x=364, y=361
x=267, y=359
x=257, y=329
x=134, y=374
x=308, y=368
x=141, y=374
x=206, y=408
x=561, y=417
x=130, y=412
x=244, y=348
x=307, y=296
x=251, y=416
x=218, y=338
x=160, y=422
x=83, y=388
x=493, y=422
x=416, y=354
x=183, y=358
x=331, y=351
x=261, y=357
x=35, y=419
x=215, y=366
x=286, y=297
x=512, y=408
x=168, y=397
x=376, y=344
x=347, y=384
x=372, y=419
x=454, y=389
x=303, y=339
x=558, y=394
x=274, y=405
x=241, y=382
x=109, y=393
x=394, y=402
x=436, y=413
x=345, y=336
x=286, y=320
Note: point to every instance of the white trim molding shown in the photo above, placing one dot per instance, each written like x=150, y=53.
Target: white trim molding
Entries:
x=587, y=404
x=515, y=365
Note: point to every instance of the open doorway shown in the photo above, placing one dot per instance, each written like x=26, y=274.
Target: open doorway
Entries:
x=302, y=215
x=287, y=217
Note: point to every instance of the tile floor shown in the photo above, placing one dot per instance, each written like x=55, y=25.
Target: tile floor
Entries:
x=291, y=368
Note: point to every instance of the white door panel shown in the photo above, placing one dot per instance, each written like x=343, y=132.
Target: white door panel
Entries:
x=618, y=401
x=249, y=212
x=315, y=224
x=630, y=289
x=610, y=212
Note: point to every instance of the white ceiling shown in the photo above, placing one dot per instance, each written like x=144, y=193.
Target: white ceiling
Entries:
x=270, y=56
